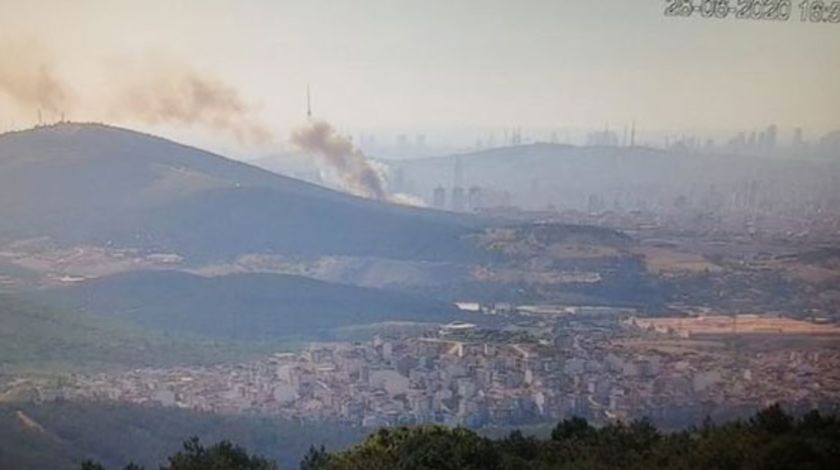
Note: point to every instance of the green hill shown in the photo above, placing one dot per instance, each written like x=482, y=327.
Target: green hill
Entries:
x=105, y=186
x=242, y=306
x=43, y=339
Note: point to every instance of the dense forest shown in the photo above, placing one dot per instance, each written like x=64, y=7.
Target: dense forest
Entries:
x=771, y=439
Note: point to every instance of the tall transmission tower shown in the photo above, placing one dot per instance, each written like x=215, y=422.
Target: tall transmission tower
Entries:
x=308, y=104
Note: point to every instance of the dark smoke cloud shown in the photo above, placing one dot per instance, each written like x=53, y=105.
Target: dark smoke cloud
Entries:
x=356, y=172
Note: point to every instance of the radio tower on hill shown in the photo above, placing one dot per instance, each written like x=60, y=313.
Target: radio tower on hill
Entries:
x=308, y=104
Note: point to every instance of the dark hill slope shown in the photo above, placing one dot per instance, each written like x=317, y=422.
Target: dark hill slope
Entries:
x=117, y=433
x=39, y=338
x=242, y=306
x=86, y=183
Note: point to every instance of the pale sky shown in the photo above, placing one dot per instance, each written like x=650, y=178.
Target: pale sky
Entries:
x=429, y=65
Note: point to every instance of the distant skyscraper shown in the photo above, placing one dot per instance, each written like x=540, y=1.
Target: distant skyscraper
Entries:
x=398, y=181
x=474, y=198
x=797, y=137
x=737, y=143
x=439, y=198
x=458, y=173
x=458, y=199
x=799, y=145
x=605, y=138
x=402, y=142
x=308, y=104
x=770, y=138
x=594, y=204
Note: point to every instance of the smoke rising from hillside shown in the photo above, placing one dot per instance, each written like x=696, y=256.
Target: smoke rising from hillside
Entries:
x=357, y=174
x=175, y=94
x=152, y=92
x=29, y=80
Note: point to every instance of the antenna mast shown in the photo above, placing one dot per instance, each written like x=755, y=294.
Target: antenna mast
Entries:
x=308, y=104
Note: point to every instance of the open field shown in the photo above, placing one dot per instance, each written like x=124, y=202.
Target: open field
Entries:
x=666, y=261
x=735, y=324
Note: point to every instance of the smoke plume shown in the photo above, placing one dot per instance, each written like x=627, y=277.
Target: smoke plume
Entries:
x=150, y=91
x=175, y=94
x=153, y=91
x=356, y=172
x=28, y=79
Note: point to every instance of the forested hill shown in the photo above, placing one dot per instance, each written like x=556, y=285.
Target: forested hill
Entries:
x=771, y=439
x=90, y=184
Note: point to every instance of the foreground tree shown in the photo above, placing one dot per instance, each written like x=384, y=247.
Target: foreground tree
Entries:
x=772, y=439
x=221, y=456
x=194, y=456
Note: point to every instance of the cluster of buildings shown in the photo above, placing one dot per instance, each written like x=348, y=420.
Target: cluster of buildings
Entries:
x=535, y=370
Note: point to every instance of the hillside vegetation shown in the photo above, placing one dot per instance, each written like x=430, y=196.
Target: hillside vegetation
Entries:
x=35, y=338
x=770, y=440
x=242, y=306
x=114, y=434
x=92, y=184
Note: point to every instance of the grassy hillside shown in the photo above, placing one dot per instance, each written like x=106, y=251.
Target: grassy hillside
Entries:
x=94, y=184
x=242, y=306
x=34, y=338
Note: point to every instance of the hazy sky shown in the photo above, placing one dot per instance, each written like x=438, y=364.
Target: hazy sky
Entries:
x=428, y=65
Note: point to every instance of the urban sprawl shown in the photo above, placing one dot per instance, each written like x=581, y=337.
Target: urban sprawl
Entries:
x=532, y=366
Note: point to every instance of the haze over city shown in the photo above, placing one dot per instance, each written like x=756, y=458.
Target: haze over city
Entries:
x=250, y=235
x=455, y=72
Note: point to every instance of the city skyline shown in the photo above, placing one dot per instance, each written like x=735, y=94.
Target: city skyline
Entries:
x=440, y=70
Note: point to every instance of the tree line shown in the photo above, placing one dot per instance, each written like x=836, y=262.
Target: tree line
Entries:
x=771, y=439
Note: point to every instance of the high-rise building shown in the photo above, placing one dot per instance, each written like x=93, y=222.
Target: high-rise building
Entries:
x=798, y=139
x=402, y=142
x=439, y=198
x=770, y=138
x=458, y=173
x=308, y=103
x=458, y=199
x=798, y=145
x=605, y=138
x=474, y=198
